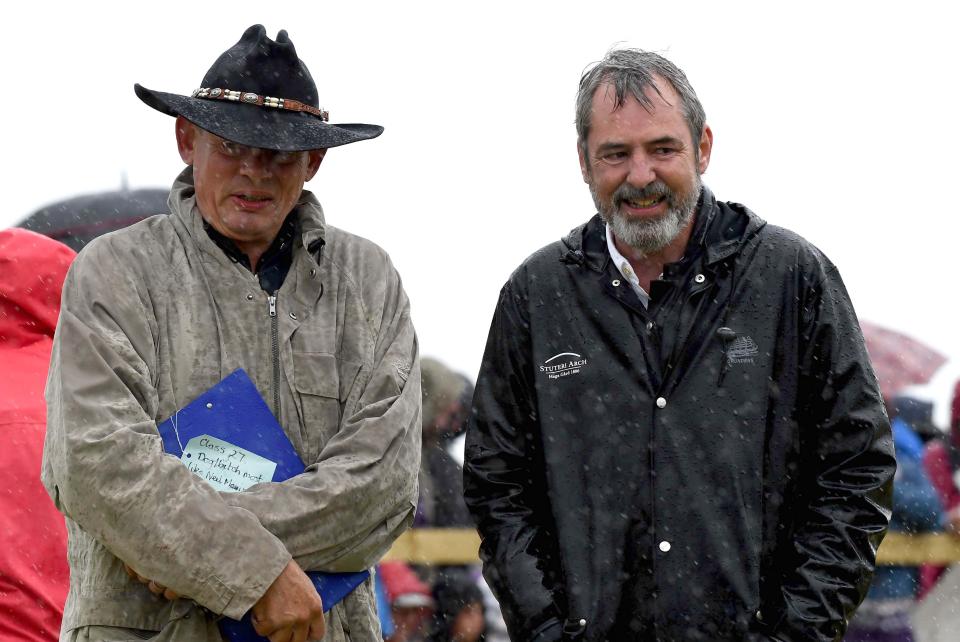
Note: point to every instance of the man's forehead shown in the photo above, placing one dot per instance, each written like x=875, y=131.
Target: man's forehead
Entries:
x=659, y=94
x=659, y=121
x=214, y=137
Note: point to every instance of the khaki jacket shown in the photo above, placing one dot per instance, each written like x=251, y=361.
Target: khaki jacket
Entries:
x=154, y=315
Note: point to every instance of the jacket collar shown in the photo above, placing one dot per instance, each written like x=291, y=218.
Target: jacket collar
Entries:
x=719, y=230
x=183, y=204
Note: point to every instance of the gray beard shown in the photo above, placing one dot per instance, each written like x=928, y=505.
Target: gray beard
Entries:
x=649, y=236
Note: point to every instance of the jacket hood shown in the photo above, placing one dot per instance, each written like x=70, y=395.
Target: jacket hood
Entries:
x=720, y=228
x=32, y=270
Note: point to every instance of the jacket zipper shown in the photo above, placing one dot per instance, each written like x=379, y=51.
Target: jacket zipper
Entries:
x=275, y=343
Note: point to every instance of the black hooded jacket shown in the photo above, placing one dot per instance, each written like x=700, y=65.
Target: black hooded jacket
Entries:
x=715, y=467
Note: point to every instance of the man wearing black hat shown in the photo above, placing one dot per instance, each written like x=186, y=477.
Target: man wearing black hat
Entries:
x=243, y=273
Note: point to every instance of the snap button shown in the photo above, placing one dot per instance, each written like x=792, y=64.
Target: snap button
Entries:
x=313, y=272
x=665, y=546
x=209, y=405
x=249, y=297
x=699, y=278
x=649, y=325
x=293, y=315
x=759, y=615
x=616, y=283
x=661, y=402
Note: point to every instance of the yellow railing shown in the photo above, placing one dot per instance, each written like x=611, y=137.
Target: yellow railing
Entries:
x=459, y=546
x=436, y=546
x=911, y=550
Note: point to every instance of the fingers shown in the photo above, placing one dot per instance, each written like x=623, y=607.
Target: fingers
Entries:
x=261, y=627
x=318, y=629
x=161, y=590
x=281, y=635
x=300, y=633
x=290, y=634
x=154, y=587
x=314, y=630
x=290, y=610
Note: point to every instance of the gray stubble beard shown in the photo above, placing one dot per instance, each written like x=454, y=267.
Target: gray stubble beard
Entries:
x=648, y=236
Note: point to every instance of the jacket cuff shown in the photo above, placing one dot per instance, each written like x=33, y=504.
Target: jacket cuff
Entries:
x=549, y=631
x=235, y=604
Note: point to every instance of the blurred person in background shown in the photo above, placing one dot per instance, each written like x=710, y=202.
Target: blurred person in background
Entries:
x=885, y=614
x=942, y=462
x=34, y=575
x=410, y=602
x=459, y=613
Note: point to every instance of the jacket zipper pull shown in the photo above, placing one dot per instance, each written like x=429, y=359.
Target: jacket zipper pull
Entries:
x=272, y=300
x=726, y=335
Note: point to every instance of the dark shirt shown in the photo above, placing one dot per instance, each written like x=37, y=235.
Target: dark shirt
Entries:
x=275, y=262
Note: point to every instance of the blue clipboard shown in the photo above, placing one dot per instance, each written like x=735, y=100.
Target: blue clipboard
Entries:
x=233, y=411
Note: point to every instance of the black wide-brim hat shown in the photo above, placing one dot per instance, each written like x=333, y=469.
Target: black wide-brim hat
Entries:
x=260, y=94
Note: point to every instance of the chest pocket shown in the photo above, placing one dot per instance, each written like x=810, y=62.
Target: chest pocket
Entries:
x=322, y=382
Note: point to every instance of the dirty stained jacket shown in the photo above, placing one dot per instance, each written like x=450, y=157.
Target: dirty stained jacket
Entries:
x=640, y=474
x=154, y=315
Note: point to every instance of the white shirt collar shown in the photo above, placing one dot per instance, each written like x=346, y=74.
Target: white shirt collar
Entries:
x=623, y=265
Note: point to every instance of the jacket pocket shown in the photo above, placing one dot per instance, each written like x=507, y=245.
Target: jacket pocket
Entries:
x=322, y=382
x=317, y=382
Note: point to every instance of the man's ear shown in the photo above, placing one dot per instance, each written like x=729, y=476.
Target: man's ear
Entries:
x=186, y=139
x=313, y=162
x=706, y=146
x=584, y=167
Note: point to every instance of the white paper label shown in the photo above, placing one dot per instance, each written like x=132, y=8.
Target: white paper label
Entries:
x=224, y=466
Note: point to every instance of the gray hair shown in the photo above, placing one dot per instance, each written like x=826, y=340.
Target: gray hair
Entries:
x=634, y=71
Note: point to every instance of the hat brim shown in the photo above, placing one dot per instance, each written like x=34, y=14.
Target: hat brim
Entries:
x=255, y=126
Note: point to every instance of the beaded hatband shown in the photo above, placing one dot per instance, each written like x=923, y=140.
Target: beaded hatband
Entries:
x=250, y=98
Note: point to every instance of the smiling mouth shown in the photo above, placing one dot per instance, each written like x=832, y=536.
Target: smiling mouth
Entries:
x=644, y=203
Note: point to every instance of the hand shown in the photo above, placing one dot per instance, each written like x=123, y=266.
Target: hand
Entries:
x=291, y=609
x=155, y=588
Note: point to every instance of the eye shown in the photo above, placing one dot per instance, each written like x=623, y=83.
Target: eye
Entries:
x=614, y=157
x=664, y=151
x=285, y=158
x=231, y=149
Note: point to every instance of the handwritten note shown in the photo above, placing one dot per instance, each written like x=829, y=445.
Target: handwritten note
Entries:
x=224, y=466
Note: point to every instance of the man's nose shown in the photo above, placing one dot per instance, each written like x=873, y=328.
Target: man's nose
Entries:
x=640, y=172
x=257, y=163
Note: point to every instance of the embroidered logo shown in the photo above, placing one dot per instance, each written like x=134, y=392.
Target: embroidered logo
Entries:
x=563, y=364
x=403, y=369
x=742, y=350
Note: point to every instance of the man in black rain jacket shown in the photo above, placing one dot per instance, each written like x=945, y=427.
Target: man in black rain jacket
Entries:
x=676, y=432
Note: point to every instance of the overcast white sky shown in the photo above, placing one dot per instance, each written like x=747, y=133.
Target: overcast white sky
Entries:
x=834, y=119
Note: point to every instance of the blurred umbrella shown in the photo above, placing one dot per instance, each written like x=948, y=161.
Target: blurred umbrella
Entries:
x=77, y=221
x=899, y=360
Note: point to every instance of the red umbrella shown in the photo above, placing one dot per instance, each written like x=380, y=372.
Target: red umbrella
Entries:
x=898, y=359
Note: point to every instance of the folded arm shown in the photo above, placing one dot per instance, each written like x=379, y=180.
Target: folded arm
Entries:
x=103, y=461
x=347, y=508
